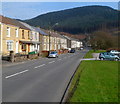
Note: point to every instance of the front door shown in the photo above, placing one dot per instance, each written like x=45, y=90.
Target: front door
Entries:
x=28, y=47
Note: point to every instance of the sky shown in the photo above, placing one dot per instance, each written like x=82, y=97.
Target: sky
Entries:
x=28, y=10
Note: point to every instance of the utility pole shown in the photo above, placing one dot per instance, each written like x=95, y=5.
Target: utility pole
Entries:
x=49, y=41
x=50, y=29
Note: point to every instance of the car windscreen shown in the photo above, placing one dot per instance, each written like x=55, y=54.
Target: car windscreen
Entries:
x=53, y=53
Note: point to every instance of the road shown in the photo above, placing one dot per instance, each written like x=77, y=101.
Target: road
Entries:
x=42, y=80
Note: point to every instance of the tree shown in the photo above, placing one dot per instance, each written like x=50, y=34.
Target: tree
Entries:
x=102, y=40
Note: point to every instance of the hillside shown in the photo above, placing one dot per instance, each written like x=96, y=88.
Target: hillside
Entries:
x=78, y=20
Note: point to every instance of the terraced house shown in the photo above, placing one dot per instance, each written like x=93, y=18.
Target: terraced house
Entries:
x=22, y=38
x=34, y=43
x=44, y=40
x=60, y=42
x=56, y=41
x=73, y=43
x=17, y=37
x=11, y=33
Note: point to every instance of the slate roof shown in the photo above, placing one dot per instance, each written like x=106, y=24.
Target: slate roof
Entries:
x=13, y=22
x=40, y=30
x=69, y=38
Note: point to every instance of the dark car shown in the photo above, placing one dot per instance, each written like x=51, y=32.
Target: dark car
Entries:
x=108, y=56
x=72, y=51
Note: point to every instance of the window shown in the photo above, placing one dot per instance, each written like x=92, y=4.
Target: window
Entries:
x=23, y=37
x=8, y=32
x=28, y=34
x=16, y=32
x=35, y=36
x=9, y=45
x=23, y=46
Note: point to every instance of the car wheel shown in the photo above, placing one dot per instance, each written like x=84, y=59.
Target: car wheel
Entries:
x=116, y=59
x=102, y=58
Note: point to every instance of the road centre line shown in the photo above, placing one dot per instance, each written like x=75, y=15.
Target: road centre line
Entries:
x=16, y=74
x=51, y=62
x=39, y=66
x=59, y=59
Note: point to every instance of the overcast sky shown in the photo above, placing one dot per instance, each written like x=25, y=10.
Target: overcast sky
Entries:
x=27, y=10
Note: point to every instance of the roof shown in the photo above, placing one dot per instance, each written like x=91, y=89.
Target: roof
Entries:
x=13, y=22
x=32, y=28
x=27, y=25
x=69, y=38
x=53, y=34
x=40, y=30
x=66, y=37
x=30, y=42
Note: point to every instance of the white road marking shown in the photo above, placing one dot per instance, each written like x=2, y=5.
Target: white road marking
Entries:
x=51, y=62
x=40, y=66
x=59, y=59
x=16, y=74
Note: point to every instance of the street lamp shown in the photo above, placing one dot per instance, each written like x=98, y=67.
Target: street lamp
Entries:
x=50, y=33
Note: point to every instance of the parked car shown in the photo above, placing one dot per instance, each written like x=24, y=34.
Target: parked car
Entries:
x=53, y=54
x=81, y=48
x=72, y=51
x=115, y=52
x=108, y=56
x=69, y=49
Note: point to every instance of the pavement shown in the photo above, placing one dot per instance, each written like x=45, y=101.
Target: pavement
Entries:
x=95, y=55
x=41, y=80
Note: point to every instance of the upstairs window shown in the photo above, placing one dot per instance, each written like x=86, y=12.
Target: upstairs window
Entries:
x=35, y=36
x=28, y=34
x=23, y=37
x=16, y=32
x=8, y=32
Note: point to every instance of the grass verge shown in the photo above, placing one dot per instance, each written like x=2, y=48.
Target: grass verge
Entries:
x=89, y=54
x=95, y=81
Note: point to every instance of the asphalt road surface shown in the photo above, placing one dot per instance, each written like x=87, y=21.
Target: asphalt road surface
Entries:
x=42, y=80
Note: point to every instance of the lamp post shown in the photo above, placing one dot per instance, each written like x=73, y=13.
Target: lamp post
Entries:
x=50, y=35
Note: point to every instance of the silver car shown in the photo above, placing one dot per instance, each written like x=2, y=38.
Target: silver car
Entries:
x=53, y=54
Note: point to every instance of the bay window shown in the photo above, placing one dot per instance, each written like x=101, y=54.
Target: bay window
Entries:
x=9, y=45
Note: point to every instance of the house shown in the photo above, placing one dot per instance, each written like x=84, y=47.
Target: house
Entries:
x=0, y=39
x=57, y=41
x=12, y=31
x=73, y=43
x=68, y=41
x=63, y=41
x=34, y=42
x=49, y=41
x=44, y=38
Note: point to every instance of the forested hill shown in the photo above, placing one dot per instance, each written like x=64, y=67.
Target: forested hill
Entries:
x=78, y=20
